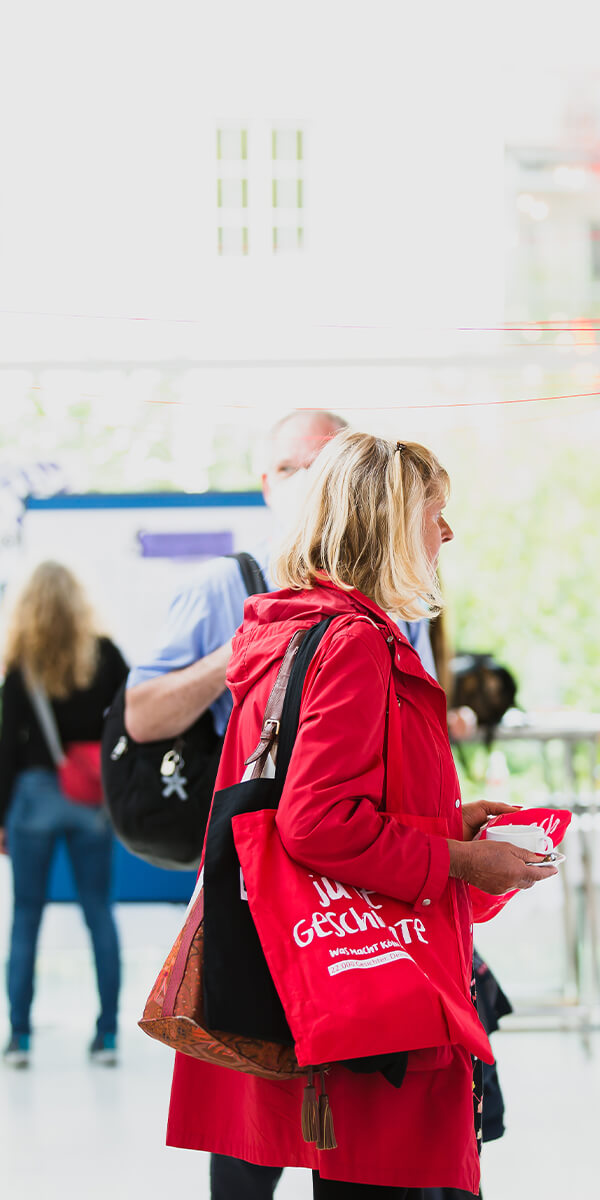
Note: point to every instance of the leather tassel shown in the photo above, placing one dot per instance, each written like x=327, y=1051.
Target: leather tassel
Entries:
x=310, y=1110
x=326, y=1138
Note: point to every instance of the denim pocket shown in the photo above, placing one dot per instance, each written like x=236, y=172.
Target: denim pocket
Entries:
x=36, y=803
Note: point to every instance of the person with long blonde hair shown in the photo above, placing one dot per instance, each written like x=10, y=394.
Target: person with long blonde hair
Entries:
x=53, y=649
x=370, y=799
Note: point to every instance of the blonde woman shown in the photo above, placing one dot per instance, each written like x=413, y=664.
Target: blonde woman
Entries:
x=369, y=800
x=53, y=644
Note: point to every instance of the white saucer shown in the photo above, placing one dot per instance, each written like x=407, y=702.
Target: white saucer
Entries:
x=558, y=858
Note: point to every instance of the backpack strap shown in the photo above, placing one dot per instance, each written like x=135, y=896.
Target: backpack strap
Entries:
x=254, y=580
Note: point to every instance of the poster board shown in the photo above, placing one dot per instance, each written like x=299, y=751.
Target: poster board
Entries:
x=133, y=553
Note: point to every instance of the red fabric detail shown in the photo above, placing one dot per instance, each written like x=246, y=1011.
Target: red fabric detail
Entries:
x=421, y=1135
x=554, y=821
x=437, y=874
x=79, y=773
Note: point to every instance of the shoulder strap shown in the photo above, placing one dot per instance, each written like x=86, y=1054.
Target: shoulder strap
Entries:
x=282, y=709
x=46, y=719
x=290, y=715
x=254, y=580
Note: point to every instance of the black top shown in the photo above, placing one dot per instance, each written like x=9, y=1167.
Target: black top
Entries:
x=79, y=718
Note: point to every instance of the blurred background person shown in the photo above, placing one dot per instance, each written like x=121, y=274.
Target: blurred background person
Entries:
x=53, y=648
x=184, y=674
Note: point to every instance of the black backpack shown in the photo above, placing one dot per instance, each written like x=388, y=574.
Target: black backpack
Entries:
x=158, y=794
x=482, y=684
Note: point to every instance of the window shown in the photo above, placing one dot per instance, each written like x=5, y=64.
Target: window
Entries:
x=232, y=144
x=287, y=189
x=232, y=239
x=288, y=193
x=287, y=144
x=232, y=190
x=232, y=193
x=260, y=188
x=287, y=238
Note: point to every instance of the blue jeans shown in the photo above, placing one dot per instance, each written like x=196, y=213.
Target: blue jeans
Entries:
x=38, y=816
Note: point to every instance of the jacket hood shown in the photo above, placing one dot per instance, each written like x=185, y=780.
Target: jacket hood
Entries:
x=271, y=620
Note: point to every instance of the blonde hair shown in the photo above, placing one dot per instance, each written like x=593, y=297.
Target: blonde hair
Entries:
x=362, y=523
x=52, y=635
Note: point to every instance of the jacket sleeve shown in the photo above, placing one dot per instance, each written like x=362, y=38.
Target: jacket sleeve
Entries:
x=330, y=816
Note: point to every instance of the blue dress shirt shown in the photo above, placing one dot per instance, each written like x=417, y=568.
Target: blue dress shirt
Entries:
x=202, y=618
x=417, y=633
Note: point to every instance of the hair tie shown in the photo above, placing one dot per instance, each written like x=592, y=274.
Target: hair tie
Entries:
x=400, y=447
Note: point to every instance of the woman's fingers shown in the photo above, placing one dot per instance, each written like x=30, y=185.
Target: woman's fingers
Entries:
x=496, y=867
x=535, y=873
x=495, y=807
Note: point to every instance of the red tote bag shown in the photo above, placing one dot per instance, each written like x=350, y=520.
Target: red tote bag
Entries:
x=358, y=973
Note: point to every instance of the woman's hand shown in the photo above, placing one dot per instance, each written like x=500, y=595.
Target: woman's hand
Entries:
x=476, y=814
x=496, y=867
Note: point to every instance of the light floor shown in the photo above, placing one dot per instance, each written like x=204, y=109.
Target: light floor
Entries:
x=70, y=1131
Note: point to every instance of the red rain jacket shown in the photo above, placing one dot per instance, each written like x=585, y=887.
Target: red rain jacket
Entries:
x=331, y=818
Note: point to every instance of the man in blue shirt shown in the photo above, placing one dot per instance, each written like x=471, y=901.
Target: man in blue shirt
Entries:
x=185, y=675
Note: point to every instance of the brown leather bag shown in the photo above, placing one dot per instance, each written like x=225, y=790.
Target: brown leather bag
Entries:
x=174, y=1011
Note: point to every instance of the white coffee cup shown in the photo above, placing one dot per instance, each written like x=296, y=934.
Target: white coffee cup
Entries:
x=529, y=837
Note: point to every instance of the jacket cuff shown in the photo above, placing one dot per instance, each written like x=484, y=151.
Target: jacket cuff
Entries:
x=437, y=873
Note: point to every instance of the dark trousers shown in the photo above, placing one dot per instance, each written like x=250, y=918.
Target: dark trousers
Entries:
x=330, y=1189
x=448, y=1194
x=234, y=1179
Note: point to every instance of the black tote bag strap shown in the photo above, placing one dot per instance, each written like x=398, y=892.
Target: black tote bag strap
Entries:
x=290, y=715
x=232, y=951
x=254, y=580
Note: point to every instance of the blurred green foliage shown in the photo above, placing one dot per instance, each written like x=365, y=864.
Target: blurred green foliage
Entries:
x=522, y=577
x=523, y=574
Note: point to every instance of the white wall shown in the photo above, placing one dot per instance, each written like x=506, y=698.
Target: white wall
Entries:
x=131, y=593
x=110, y=175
